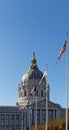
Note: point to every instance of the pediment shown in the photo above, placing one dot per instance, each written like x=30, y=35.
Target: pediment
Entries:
x=51, y=105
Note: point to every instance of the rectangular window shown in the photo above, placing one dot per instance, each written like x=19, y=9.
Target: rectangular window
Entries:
x=2, y=122
x=17, y=120
x=41, y=93
x=7, y=116
x=36, y=93
x=24, y=93
x=12, y=120
x=2, y=116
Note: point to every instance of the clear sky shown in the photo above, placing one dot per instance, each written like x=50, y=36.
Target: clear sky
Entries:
x=27, y=26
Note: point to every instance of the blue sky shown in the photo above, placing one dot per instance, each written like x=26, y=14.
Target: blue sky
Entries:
x=27, y=26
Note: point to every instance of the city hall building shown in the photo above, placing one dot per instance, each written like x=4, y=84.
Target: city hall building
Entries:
x=30, y=109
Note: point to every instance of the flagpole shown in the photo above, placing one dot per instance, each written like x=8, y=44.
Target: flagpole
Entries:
x=29, y=117
x=46, y=91
x=29, y=107
x=22, y=109
x=46, y=109
x=67, y=82
x=46, y=101
x=22, y=119
x=36, y=112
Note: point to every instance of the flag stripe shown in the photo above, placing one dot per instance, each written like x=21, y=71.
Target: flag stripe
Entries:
x=33, y=89
x=62, y=50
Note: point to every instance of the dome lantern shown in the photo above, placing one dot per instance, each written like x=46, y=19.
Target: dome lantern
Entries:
x=33, y=62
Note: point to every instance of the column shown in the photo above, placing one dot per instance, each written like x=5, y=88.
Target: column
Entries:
x=15, y=121
x=58, y=114
x=24, y=119
x=53, y=114
x=30, y=117
x=40, y=116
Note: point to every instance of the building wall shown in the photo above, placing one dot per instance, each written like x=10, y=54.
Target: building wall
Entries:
x=10, y=118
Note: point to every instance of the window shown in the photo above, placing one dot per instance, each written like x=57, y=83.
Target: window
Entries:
x=7, y=122
x=2, y=122
x=24, y=93
x=7, y=117
x=2, y=116
x=41, y=93
x=36, y=93
x=17, y=120
x=12, y=120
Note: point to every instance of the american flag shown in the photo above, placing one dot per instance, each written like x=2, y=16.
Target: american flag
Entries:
x=44, y=75
x=33, y=89
x=62, y=50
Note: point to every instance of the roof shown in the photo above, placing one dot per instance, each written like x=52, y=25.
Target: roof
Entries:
x=33, y=72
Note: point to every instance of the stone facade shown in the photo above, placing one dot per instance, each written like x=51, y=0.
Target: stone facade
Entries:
x=10, y=118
